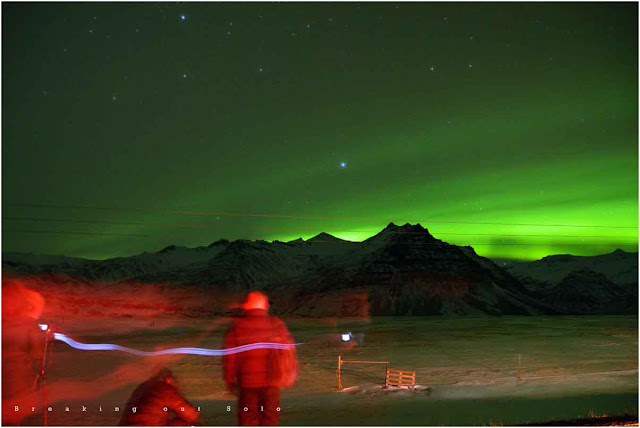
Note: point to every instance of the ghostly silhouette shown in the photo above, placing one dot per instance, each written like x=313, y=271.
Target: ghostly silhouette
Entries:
x=258, y=375
x=22, y=351
x=158, y=402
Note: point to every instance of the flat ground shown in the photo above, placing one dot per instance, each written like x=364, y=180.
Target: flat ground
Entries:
x=571, y=367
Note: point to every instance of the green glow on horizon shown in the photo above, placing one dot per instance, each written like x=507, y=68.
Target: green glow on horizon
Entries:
x=543, y=129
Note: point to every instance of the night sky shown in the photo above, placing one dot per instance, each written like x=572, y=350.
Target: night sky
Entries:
x=512, y=127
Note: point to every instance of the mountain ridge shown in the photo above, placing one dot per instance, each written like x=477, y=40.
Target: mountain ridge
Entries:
x=402, y=270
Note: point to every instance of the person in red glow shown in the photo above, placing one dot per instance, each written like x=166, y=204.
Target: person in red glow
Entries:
x=252, y=374
x=22, y=350
x=158, y=402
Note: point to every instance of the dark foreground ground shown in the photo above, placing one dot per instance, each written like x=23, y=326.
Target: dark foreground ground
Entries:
x=339, y=410
x=602, y=421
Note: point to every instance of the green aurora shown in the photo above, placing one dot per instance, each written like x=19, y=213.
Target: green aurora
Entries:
x=511, y=127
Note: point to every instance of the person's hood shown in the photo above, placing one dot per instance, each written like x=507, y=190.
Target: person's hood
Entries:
x=256, y=300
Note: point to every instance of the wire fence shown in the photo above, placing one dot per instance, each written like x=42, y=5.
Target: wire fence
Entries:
x=363, y=373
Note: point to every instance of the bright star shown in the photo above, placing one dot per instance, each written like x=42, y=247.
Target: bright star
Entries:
x=343, y=164
x=183, y=17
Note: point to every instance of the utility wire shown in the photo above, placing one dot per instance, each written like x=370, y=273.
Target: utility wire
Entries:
x=193, y=226
x=127, y=223
x=416, y=244
x=76, y=233
x=229, y=214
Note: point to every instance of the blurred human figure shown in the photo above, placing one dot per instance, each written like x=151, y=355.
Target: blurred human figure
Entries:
x=22, y=350
x=257, y=375
x=158, y=402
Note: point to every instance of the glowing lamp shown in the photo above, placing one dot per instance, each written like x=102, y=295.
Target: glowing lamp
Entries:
x=346, y=337
x=44, y=327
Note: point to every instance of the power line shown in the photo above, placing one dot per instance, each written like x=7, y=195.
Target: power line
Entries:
x=416, y=244
x=127, y=223
x=468, y=234
x=228, y=214
x=193, y=226
x=77, y=233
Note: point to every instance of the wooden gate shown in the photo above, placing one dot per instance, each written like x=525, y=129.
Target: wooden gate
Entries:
x=400, y=378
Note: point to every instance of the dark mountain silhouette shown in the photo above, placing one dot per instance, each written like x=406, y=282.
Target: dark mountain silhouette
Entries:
x=402, y=270
x=606, y=283
x=587, y=292
x=620, y=267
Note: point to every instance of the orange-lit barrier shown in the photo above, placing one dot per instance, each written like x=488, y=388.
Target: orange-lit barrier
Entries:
x=400, y=378
x=341, y=362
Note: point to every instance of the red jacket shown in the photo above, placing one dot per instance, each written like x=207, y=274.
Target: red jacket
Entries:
x=251, y=369
x=150, y=398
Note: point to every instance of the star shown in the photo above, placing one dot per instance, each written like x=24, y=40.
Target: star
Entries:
x=432, y=68
x=184, y=75
x=261, y=69
x=343, y=164
x=183, y=17
x=114, y=98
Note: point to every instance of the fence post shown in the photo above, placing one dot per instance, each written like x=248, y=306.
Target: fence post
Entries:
x=386, y=375
x=519, y=366
x=339, y=365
